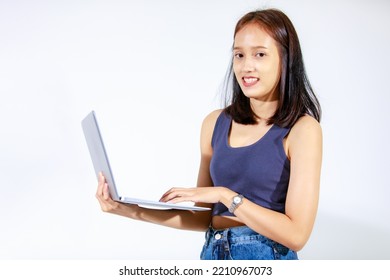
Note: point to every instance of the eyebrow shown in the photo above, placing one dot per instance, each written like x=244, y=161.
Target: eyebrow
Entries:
x=254, y=47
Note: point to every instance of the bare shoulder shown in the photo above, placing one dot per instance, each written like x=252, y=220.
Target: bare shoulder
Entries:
x=210, y=120
x=208, y=130
x=306, y=126
x=212, y=117
x=305, y=134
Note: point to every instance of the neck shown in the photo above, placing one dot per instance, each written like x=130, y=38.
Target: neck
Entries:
x=264, y=110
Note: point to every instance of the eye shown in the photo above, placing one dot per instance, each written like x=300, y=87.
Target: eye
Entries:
x=260, y=54
x=238, y=55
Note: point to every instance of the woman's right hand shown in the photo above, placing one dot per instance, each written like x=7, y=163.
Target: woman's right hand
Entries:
x=107, y=204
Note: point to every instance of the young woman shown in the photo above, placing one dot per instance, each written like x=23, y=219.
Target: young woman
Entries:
x=260, y=156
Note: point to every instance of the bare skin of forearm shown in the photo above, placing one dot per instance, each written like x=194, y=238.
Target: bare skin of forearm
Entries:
x=179, y=219
x=274, y=225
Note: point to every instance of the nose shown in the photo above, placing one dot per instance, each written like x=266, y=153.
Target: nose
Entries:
x=248, y=65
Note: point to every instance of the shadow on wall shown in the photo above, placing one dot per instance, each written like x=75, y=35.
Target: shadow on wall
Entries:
x=337, y=238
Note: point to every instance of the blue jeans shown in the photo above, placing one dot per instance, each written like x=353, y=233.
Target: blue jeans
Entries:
x=242, y=243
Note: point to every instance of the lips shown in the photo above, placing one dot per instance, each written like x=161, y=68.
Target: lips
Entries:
x=249, y=81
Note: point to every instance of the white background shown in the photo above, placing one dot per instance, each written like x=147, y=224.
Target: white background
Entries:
x=152, y=70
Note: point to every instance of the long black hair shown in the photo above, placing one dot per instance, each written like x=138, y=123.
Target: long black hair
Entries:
x=296, y=96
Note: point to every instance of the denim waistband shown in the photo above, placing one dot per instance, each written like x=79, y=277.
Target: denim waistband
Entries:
x=241, y=234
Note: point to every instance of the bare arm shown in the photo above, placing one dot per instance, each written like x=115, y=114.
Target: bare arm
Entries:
x=188, y=220
x=292, y=229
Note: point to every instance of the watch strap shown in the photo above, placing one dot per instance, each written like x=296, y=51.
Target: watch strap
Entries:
x=235, y=204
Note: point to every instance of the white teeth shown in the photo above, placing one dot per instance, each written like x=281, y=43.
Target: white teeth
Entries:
x=250, y=80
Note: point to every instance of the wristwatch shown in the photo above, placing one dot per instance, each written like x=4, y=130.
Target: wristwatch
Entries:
x=237, y=201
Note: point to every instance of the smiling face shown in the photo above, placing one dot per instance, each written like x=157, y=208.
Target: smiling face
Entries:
x=256, y=63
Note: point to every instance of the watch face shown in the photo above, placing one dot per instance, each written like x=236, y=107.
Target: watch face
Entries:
x=237, y=199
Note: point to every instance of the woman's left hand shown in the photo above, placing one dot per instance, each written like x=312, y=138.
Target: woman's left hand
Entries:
x=200, y=194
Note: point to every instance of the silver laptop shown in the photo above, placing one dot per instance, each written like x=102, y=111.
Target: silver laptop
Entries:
x=101, y=164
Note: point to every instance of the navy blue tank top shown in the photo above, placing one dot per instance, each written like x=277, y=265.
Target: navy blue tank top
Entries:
x=260, y=171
